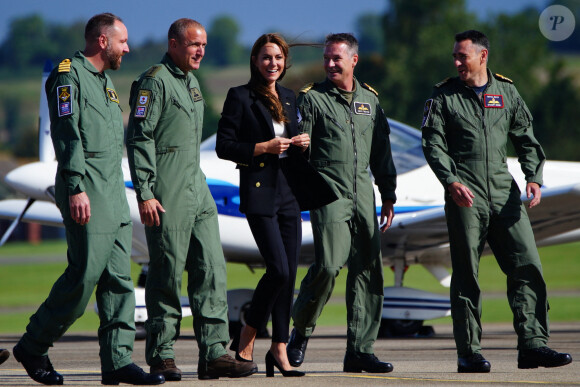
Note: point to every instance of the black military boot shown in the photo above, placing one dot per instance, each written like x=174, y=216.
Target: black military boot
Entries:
x=474, y=363
x=131, y=374
x=39, y=368
x=359, y=362
x=296, y=348
x=4, y=355
x=542, y=357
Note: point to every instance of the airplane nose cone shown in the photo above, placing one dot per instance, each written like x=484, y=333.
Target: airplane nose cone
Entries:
x=33, y=179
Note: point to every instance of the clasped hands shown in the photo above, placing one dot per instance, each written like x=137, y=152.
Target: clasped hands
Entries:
x=279, y=145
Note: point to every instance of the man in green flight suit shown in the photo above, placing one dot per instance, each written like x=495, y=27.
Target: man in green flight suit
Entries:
x=466, y=124
x=178, y=210
x=87, y=134
x=349, y=133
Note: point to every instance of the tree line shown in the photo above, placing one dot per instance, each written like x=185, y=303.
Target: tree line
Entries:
x=403, y=53
x=418, y=38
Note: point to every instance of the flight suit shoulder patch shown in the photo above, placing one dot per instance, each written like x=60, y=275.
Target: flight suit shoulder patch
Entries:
x=153, y=71
x=443, y=82
x=143, y=100
x=502, y=78
x=366, y=86
x=64, y=66
x=64, y=97
x=307, y=88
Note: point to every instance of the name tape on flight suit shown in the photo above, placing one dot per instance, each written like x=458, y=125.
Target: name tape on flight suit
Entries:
x=65, y=107
x=143, y=100
x=493, y=101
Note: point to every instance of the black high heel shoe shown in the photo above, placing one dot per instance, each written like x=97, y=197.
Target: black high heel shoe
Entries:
x=239, y=358
x=235, y=346
x=271, y=362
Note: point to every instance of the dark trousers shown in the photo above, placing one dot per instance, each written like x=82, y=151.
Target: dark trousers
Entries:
x=278, y=238
x=511, y=239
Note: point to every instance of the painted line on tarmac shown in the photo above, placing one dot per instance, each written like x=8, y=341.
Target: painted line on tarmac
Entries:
x=366, y=376
x=60, y=371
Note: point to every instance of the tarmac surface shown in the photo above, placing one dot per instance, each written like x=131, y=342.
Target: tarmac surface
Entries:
x=417, y=361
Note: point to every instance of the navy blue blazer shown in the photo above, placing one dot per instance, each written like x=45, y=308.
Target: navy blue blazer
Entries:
x=245, y=122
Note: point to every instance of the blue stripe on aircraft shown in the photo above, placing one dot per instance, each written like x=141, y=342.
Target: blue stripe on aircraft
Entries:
x=227, y=199
x=406, y=306
x=419, y=300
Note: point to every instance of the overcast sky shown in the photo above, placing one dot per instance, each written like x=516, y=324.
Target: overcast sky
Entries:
x=296, y=18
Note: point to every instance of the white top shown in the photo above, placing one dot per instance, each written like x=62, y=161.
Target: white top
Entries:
x=280, y=131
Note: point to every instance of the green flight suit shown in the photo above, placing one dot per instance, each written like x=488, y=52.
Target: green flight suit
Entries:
x=87, y=134
x=464, y=140
x=346, y=138
x=163, y=142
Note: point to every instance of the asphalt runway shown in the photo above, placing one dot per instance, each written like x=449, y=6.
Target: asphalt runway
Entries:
x=417, y=361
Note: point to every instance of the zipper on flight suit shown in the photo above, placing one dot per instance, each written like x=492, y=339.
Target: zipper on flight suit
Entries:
x=354, y=193
x=485, y=134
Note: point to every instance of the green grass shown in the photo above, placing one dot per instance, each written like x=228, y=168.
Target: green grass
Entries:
x=26, y=279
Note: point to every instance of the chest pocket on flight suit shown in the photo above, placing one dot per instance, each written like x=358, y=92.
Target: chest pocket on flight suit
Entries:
x=96, y=138
x=464, y=137
x=327, y=140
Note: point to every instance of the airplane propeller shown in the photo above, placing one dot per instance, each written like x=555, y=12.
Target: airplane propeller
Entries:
x=46, y=151
x=15, y=222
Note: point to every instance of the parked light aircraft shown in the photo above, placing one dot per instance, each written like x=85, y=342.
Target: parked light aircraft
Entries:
x=418, y=234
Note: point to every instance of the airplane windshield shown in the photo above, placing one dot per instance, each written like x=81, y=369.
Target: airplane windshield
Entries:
x=406, y=147
x=405, y=144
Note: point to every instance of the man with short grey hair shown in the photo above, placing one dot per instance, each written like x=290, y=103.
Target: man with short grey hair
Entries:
x=178, y=210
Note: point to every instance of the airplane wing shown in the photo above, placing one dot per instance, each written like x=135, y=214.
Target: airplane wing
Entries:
x=45, y=213
x=422, y=237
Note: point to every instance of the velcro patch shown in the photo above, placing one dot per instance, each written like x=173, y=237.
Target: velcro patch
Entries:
x=195, y=94
x=143, y=100
x=427, y=111
x=493, y=101
x=113, y=95
x=362, y=108
x=65, y=107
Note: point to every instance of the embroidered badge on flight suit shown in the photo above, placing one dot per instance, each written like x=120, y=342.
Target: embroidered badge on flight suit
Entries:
x=195, y=94
x=113, y=95
x=362, y=108
x=143, y=100
x=65, y=107
x=493, y=101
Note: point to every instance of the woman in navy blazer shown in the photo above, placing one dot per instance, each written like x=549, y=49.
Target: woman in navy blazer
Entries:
x=258, y=130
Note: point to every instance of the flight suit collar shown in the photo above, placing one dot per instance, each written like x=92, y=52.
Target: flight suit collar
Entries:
x=331, y=88
x=490, y=80
x=85, y=62
x=172, y=67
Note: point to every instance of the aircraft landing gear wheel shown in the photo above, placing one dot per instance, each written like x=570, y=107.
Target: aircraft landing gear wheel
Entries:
x=398, y=328
x=140, y=332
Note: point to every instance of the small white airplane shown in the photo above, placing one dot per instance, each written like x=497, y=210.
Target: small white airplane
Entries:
x=418, y=234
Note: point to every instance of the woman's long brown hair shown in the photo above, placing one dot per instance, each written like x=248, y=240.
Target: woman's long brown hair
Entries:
x=258, y=83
